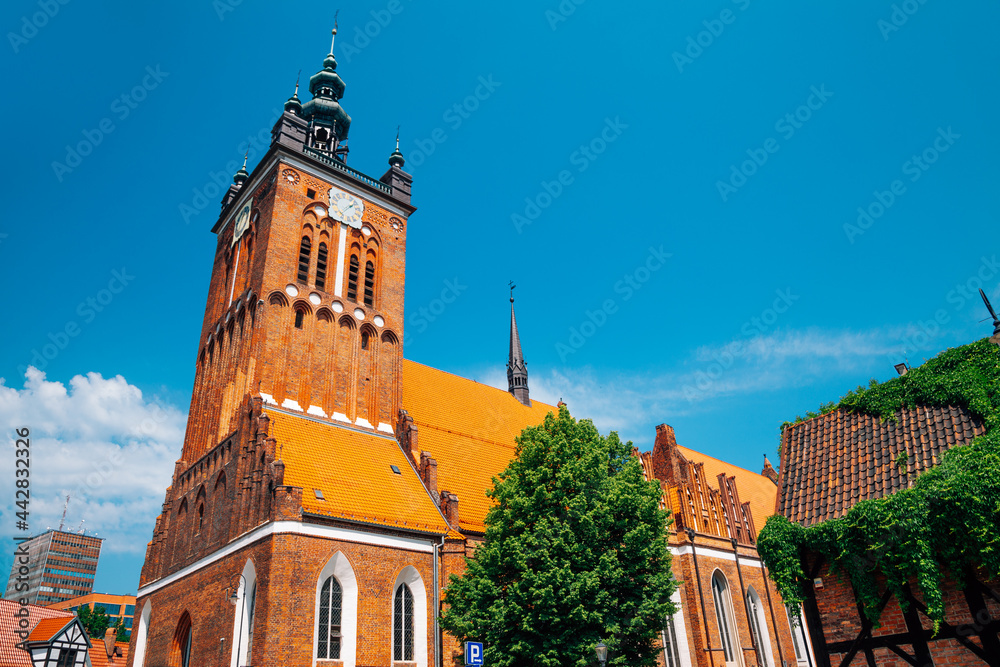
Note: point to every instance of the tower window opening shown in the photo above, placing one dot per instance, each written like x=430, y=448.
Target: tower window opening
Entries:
x=311, y=193
x=364, y=340
x=352, y=279
x=370, y=284
x=321, y=267
x=298, y=319
x=304, y=249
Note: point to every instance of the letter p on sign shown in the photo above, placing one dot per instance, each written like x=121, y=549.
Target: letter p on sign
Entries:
x=473, y=653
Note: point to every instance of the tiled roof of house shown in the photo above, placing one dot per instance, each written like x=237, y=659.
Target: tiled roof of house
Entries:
x=99, y=655
x=830, y=462
x=15, y=657
x=48, y=628
x=754, y=488
x=353, y=471
x=469, y=429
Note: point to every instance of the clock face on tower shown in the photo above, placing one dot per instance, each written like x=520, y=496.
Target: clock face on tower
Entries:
x=242, y=222
x=346, y=208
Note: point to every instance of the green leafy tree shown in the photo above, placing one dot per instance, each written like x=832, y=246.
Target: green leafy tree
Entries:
x=121, y=630
x=575, y=552
x=95, y=621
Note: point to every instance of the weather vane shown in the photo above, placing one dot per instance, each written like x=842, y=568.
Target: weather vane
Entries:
x=996, y=322
x=512, y=286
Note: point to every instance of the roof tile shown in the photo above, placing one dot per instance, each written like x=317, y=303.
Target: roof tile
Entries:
x=832, y=461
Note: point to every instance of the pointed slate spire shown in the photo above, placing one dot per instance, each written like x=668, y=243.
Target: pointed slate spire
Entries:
x=517, y=370
x=294, y=104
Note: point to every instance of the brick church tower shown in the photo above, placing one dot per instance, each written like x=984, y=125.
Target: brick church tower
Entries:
x=327, y=487
x=298, y=371
x=313, y=515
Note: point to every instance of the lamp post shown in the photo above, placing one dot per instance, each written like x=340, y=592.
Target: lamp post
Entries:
x=602, y=653
x=234, y=598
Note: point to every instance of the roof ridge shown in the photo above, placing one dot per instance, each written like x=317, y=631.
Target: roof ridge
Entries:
x=481, y=384
x=727, y=463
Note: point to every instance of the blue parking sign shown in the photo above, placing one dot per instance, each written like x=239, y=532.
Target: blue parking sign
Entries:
x=473, y=653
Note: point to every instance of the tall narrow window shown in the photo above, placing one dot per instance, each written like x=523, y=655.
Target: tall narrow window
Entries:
x=798, y=636
x=321, y=267
x=250, y=620
x=364, y=340
x=725, y=618
x=670, y=649
x=304, y=249
x=298, y=319
x=201, y=516
x=758, y=625
x=352, y=279
x=330, y=603
x=402, y=624
x=370, y=284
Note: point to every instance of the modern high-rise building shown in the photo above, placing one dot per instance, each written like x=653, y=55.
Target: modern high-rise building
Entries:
x=115, y=606
x=61, y=566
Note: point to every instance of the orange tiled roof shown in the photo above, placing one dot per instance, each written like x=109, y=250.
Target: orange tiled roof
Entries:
x=352, y=470
x=15, y=657
x=48, y=628
x=753, y=487
x=469, y=429
x=830, y=462
x=99, y=655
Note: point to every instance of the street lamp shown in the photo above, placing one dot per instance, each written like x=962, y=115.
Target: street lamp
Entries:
x=602, y=653
x=234, y=599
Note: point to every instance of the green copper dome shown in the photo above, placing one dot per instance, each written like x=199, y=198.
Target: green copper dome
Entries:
x=327, y=88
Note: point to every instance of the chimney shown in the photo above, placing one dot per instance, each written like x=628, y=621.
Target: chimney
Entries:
x=278, y=472
x=449, y=507
x=429, y=473
x=110, y=635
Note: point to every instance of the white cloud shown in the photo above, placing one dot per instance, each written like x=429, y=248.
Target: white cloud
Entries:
x=100, y=440
x=770, y=362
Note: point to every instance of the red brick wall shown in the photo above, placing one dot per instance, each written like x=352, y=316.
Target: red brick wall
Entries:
x=841, y=622
x=288, y=569
x=244, y=347
x=703, y=631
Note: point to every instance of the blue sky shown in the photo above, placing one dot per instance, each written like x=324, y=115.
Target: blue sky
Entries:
x=674, y=187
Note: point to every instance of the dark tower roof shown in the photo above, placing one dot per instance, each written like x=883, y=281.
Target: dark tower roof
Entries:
x=517, y=370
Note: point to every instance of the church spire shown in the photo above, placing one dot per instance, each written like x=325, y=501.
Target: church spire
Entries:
x=517, y=370
x=328, y=122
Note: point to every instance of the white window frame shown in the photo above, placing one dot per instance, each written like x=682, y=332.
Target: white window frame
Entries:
x=758, y=626
x=727, y=615
x=242, y=617
x=680, y=632
x=808, y=657
x=340, y=569
x=411, y=577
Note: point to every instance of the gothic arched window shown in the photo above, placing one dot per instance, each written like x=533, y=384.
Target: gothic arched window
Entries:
x=304, y=249
x=402, y=624
x=352, y=279
x=321, y=267
x=370, y=284
x=330, y=603
x=726, y=619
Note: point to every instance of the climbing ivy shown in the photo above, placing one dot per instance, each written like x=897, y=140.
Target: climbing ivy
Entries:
x=946, y=523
